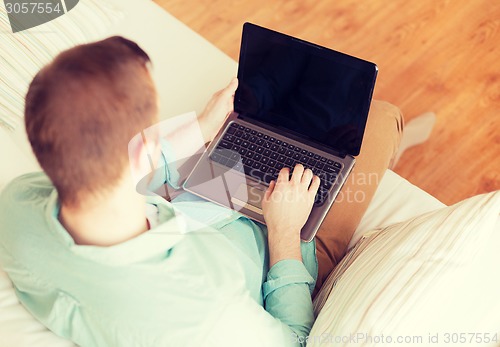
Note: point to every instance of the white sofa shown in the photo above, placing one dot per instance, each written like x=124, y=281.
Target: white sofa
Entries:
x=187, y=70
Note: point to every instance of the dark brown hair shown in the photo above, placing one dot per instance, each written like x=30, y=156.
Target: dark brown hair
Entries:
x=83, y=109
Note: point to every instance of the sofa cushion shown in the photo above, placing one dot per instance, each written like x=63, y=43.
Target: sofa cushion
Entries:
x=432, y=280
x=25, y=52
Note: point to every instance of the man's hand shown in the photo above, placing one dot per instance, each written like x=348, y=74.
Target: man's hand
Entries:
x=217, y=110
x=286, y=206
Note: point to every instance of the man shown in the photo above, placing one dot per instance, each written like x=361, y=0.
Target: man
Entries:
x=102, y=265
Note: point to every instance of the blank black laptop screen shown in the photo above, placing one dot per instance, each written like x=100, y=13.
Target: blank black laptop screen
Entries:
x=306, y=89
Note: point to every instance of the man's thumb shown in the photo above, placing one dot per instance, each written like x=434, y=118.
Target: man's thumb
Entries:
x=231, y=87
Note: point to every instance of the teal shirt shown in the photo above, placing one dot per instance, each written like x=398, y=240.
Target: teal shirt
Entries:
x=199, y=278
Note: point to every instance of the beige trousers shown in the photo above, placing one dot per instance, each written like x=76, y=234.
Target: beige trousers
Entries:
x=383, y=133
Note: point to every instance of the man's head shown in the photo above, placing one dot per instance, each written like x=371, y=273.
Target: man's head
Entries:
x=83, y=109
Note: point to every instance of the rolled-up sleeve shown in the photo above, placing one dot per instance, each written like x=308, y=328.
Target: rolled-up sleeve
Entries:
x=287, y=296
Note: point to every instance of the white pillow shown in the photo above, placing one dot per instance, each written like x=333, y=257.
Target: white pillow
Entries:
x=24, y=53
x=431, y=281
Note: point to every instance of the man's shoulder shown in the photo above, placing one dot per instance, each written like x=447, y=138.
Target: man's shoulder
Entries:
x=22, y=197
x=27, y=187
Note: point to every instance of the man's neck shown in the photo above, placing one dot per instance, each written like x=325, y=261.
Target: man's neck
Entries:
x=106, y=220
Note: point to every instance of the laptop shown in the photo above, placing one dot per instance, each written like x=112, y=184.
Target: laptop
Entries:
x=296, y=102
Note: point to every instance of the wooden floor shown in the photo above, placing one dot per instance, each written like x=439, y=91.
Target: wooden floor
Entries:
x=433, y=55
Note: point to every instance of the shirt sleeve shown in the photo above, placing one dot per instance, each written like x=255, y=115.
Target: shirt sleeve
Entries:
x=165, y=171
x=287, y=296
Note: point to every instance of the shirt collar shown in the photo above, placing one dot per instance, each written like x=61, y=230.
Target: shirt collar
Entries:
x=150, y=244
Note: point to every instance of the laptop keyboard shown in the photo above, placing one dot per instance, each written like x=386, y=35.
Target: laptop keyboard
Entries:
x=263, y=156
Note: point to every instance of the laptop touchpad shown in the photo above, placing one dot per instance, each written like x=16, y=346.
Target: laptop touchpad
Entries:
x=249, y=197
